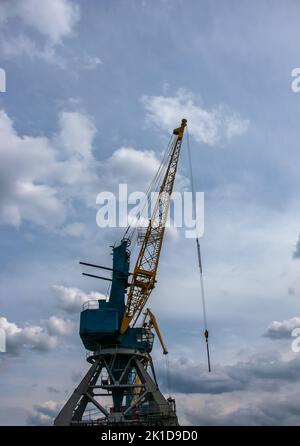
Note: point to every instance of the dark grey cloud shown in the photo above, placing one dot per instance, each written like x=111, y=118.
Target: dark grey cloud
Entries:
x=269, y=411
x=267, y=371
x=261, y=391
x=53, y=390
x=296, y=254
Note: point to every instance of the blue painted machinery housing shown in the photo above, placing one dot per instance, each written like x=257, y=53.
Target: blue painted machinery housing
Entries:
x=99, y=327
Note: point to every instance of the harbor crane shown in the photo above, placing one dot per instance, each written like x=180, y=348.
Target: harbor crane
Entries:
x=118, y=340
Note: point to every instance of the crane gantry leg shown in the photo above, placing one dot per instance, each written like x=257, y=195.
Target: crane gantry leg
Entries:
x=110, y=376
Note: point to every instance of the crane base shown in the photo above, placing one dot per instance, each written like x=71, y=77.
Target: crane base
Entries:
x=118, y=390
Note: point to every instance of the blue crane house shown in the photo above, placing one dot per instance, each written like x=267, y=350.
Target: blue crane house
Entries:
x=99, y=327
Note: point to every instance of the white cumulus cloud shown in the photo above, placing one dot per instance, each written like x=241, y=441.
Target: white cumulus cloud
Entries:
x=71, y=300
x=43, y=179
x=44, y=413
x=30, y=336
x=41, y=338
x=282, y=329
x=53, y=21
x=211, y=127
x=40, y=176
x=58, y=326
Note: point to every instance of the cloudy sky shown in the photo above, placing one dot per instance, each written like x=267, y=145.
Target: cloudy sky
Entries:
x=93, y=89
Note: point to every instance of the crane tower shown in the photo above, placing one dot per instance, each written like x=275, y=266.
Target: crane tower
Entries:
x=119, y=347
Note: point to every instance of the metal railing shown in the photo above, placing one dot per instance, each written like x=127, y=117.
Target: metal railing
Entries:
x=91, y=305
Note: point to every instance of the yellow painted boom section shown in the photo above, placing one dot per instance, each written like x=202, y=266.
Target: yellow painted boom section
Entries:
x=153, y=323
x=144, y=274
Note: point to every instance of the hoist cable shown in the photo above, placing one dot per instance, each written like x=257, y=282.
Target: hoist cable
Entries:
x=153, y=185
x=131, y=231
x=199, y=254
